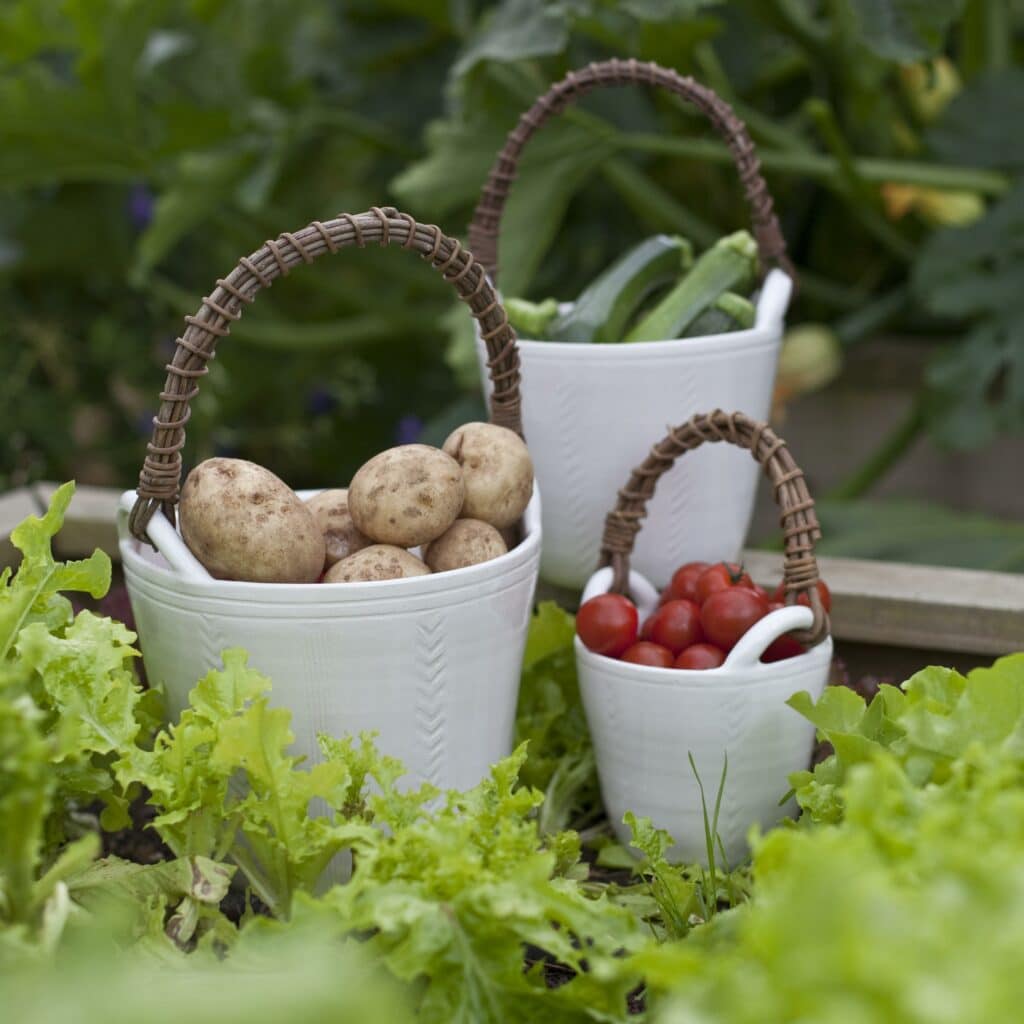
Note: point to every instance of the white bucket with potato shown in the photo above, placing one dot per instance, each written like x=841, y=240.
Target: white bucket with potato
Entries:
x=429, y=558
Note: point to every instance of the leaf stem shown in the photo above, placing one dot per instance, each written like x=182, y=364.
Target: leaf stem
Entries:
x=824, y=168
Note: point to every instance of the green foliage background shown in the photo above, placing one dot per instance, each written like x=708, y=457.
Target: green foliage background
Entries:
x=146, y=144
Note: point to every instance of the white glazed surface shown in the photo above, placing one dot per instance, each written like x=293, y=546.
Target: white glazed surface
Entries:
x=432, y=663
x=644, y=721
x=592, y=412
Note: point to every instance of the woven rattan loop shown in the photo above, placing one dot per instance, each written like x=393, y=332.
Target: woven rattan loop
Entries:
x=263, y=279
x=325, y=235
x=800, y=527
x=160, y=478
x=485, y=227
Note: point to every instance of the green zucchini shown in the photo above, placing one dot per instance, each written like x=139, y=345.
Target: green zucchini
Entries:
x=729, y=265
x=605, y=307
x=531, y=319
x=729, y=312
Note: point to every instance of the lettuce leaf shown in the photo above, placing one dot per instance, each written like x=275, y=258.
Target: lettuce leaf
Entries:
x=451, y=899
x=34, y=592
x=936, y=717
x=550, y=717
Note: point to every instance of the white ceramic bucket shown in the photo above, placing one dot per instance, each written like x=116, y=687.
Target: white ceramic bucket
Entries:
x=432, y=663
x=590, y=409
x=645, y=722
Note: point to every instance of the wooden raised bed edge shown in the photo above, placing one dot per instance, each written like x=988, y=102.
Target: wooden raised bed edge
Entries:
x=887, y=603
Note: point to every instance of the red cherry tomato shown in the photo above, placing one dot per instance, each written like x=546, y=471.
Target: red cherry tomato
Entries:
x=823, y=592
x=700, y=656
x=727, y=614
x=645, y=653
x=722, y=576
x=607, y=624
x=683, y=585
x=676, y=625
x=786, y=646
x=774, y=606
x=758, y=589
x=645, y=629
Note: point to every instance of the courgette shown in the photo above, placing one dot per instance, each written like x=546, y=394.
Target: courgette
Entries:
x=729, y=312
x=729, y=265
x=531, y=319
x=606, y=306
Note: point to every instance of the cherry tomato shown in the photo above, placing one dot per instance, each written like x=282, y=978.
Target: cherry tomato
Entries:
x=722, y=576
x=758, y=589
x=645, y=629
x=787, y=646
x=727, y=614
x=700, y=656
x=683, y=585
x=823, y=592
x=774, y=606
x=645, y=653
x=607, y=624
x=676, y=625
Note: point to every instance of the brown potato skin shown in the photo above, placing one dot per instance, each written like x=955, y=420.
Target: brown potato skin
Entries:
x=498, y=471
x=244, y=523
x=406, y=496
x=330, y=510
x=465, y=542
x=376, y=562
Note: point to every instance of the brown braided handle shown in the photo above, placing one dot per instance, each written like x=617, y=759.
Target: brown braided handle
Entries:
x=486, y=223
x=160, y=479
x=799, y=522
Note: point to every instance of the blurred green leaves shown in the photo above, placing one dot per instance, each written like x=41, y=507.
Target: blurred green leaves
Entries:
x=147, y=144
x=905, y=30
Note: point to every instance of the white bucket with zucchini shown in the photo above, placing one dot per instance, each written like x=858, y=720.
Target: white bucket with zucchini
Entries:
x=663, y=330
x=733, y=720
x=400, y=605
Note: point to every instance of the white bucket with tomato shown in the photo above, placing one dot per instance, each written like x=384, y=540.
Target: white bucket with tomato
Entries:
x=700, y=701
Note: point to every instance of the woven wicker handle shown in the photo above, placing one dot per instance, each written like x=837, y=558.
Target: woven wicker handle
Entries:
x=486, y=223
x=799, y=521
x=160, y=479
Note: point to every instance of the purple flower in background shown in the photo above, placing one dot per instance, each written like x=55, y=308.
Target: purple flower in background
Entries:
x=320, y=401
x=140, y=205
x=144, y=422
x=408, y=429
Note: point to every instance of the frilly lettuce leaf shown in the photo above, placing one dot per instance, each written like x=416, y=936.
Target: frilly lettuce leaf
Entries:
x=936, y=717
x=33, y=593
x=550, y=716
x=454, y=896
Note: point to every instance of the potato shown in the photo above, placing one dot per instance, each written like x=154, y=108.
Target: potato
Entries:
x=406, y=496
x=465, y=542
x=377, y=562
x=330, y=510
x=498, y=472
x=244, y=523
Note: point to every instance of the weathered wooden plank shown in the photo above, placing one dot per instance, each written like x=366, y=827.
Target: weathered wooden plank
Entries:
x=912, y=606
x=916, y=605
x=14, y=507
